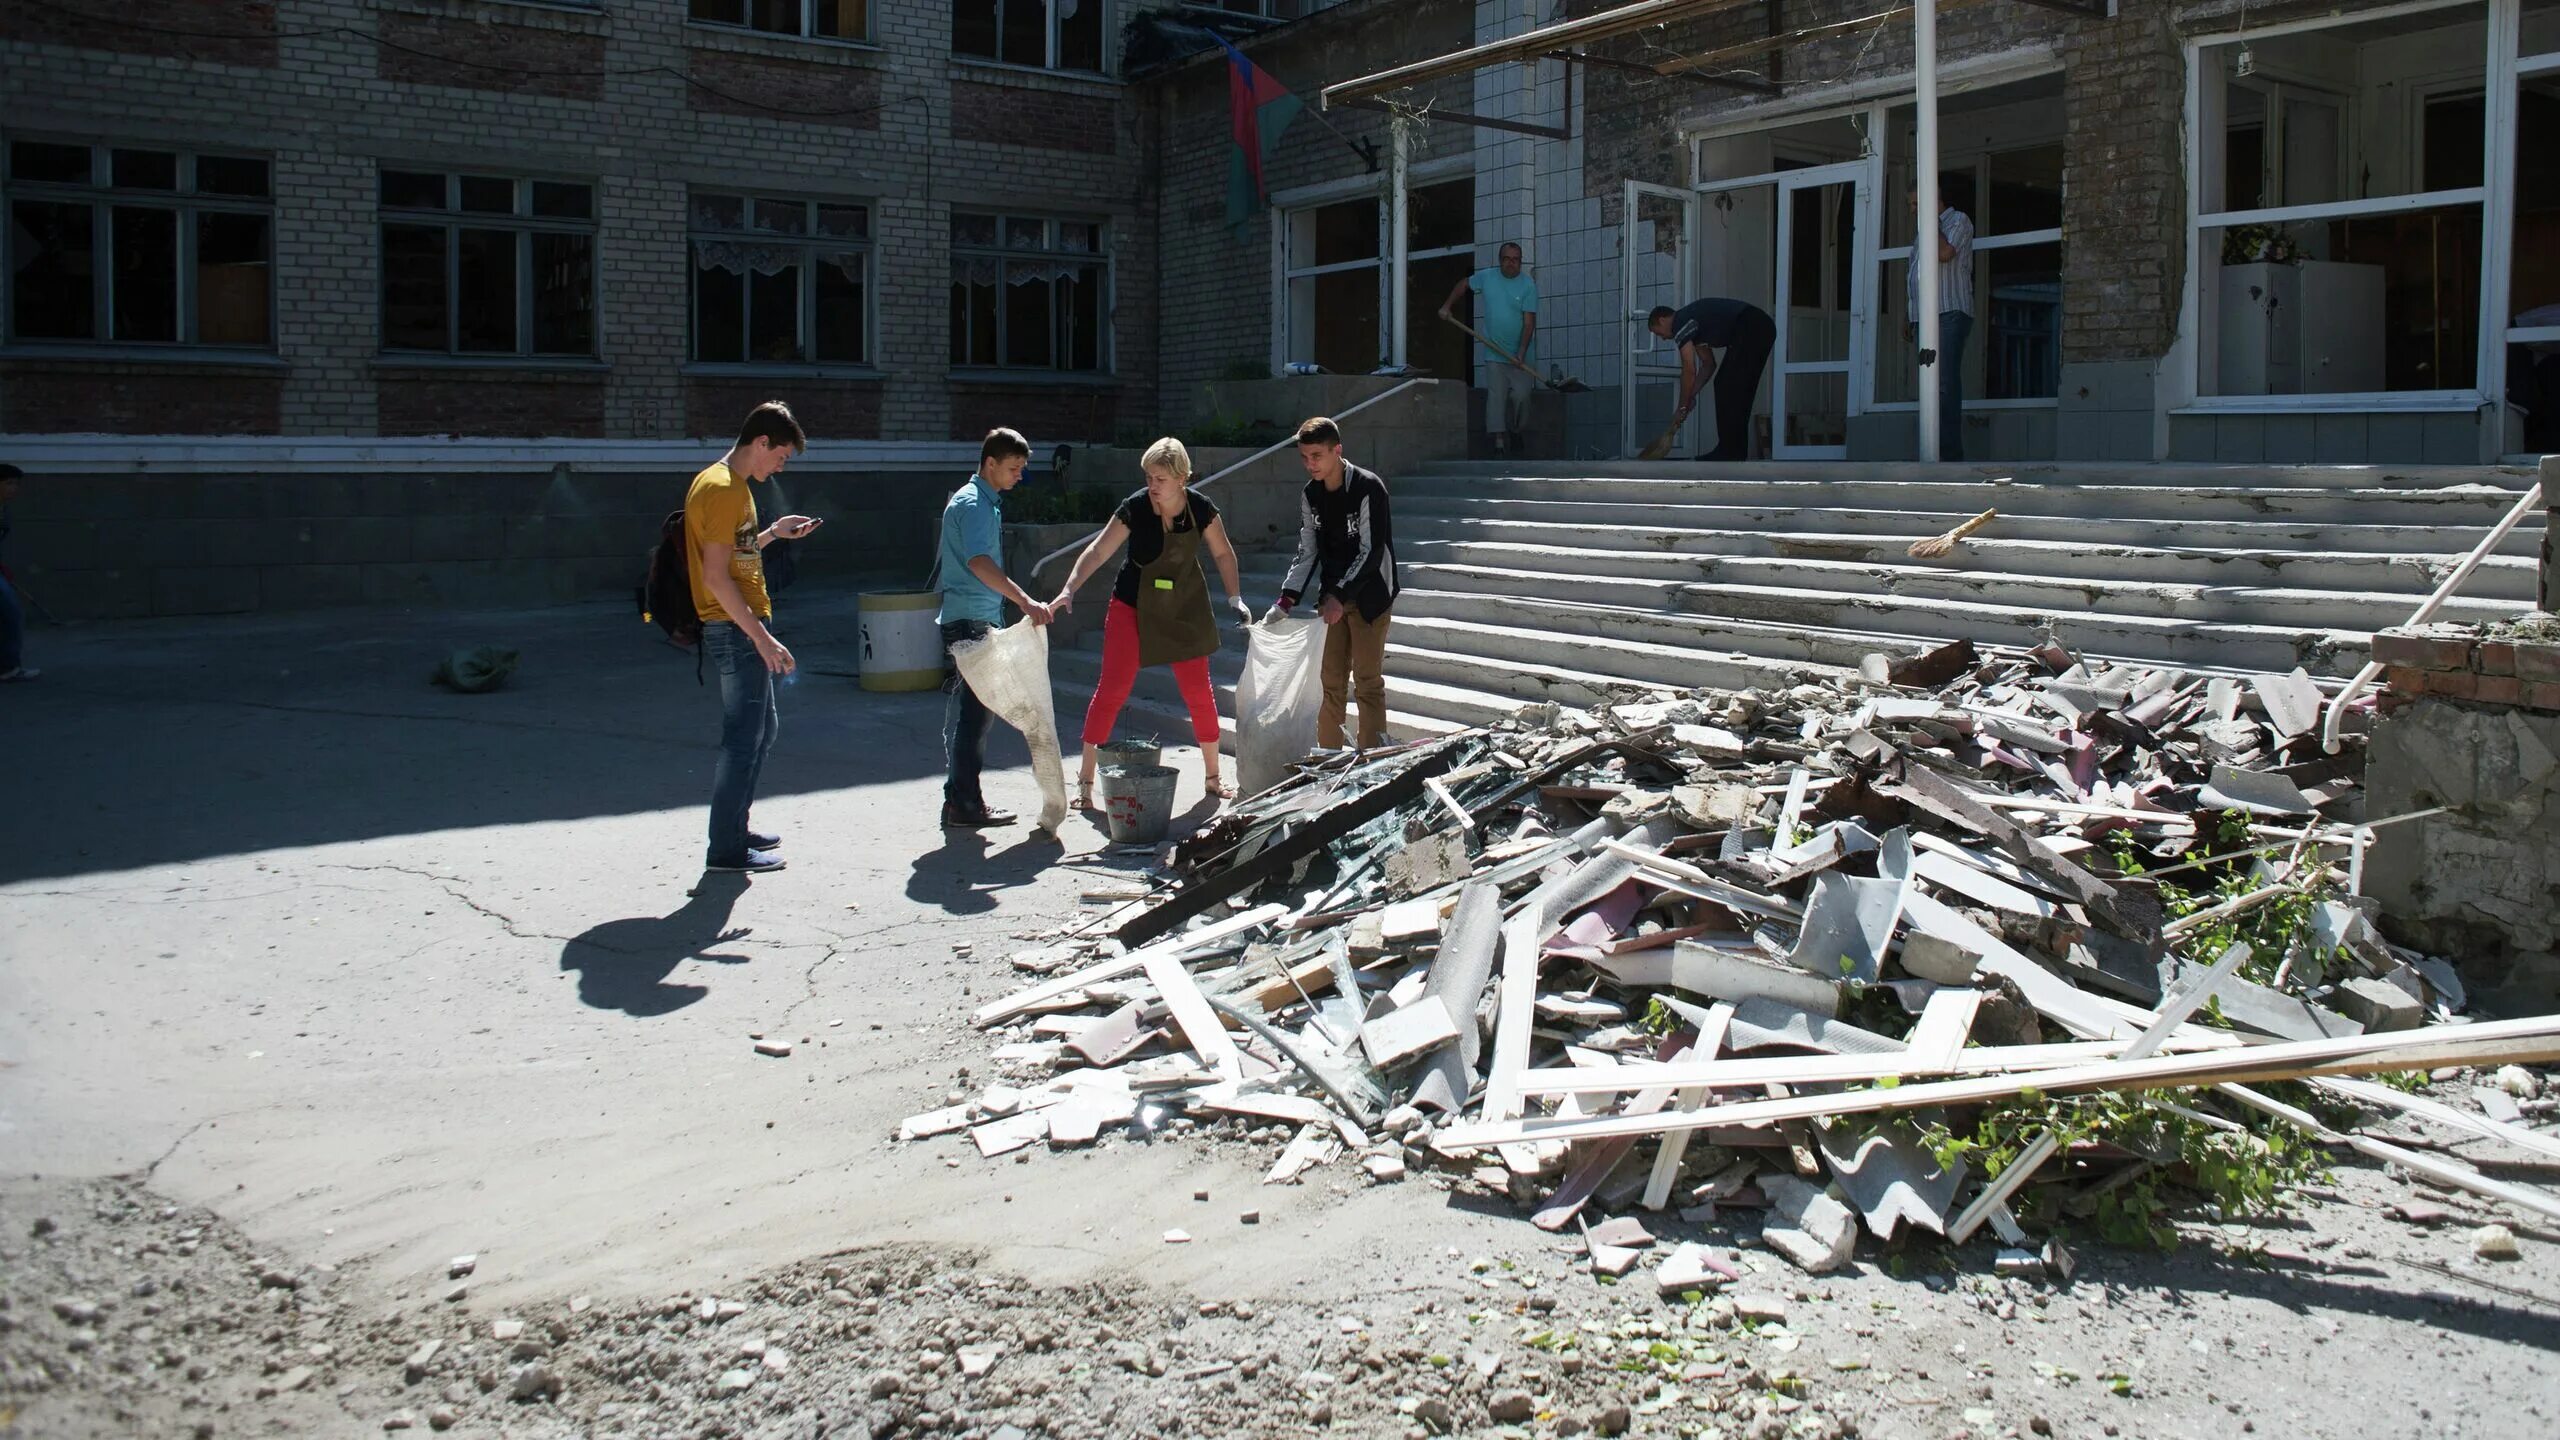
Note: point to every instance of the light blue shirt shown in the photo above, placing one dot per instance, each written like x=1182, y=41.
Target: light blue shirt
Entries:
x=972, y=525
x=1504, y=302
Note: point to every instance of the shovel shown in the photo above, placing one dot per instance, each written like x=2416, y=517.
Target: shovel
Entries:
x=1570, y=385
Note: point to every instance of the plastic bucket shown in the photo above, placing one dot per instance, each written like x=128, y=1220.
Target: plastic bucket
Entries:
x=1137, y=802
x=901, y=639
x=1133, y=754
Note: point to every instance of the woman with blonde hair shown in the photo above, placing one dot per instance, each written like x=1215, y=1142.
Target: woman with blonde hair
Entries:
x=1159, y=611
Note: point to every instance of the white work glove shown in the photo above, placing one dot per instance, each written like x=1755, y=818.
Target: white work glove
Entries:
x=1244, y=612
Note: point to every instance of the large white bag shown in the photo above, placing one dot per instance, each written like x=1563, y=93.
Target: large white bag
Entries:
x=1009, y=671
x=1278, y=699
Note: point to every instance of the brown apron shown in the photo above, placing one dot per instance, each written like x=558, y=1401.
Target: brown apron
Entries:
x=1174, y=620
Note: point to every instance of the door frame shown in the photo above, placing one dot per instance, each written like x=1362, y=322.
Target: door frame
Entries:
x=1636, y=341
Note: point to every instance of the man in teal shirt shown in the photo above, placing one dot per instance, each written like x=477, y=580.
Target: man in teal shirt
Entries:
x=1508, y=321
x=974, y=589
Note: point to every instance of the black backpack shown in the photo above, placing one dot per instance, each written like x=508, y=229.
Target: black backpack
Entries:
x=666, y=591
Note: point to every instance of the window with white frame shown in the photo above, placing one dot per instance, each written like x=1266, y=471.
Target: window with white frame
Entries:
x=780, y=280
x=1029, y=293
x=812, y=19
x=1335, y=283
x=127, y=245
x=2342, y=208
x=487, y=265
x=2013, y=196
x=1042, y=34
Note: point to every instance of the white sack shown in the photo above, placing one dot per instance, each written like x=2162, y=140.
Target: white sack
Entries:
x=1009, y=671
x=1278, y=699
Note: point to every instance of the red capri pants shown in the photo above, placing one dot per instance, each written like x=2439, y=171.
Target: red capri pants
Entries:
x=1120, y=671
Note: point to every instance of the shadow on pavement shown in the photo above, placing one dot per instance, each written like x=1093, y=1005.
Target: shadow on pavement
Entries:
x=963, y=876
x=623, y=964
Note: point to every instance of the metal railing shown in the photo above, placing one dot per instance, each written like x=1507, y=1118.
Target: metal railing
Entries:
x=2529, y=501
x=1045, y=561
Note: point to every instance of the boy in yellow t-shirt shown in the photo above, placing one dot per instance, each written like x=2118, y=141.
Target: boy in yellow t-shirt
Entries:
x=724, y=560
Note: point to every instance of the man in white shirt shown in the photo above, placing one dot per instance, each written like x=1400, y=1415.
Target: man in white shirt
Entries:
x=1955, y=316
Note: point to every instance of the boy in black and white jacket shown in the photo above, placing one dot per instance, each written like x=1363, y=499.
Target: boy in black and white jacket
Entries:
x=1346, y=551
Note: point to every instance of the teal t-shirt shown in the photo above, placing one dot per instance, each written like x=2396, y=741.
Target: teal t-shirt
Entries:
x=972, y=525
x=1500, y=304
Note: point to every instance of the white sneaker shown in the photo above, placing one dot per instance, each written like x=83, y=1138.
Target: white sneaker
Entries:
x=21, y=673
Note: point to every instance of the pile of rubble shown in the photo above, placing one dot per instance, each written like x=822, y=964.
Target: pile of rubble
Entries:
x=1757, y=951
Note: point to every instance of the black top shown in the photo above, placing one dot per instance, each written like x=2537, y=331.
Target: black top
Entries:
x=1714, y=322
x=1146, y=536
x=1346, y=544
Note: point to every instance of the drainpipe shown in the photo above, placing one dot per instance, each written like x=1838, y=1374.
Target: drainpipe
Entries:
x=1398, y=248
x=1924, y=226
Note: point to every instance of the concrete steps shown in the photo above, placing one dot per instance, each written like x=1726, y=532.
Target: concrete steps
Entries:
x=1590, y=582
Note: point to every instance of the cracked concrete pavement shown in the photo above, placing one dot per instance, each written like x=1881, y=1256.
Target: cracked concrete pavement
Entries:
x=387, y=974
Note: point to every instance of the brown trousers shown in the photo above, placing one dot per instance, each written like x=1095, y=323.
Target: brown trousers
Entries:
x=1355, y=667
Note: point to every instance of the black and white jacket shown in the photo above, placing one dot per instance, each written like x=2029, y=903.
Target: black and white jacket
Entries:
x=1346, y=544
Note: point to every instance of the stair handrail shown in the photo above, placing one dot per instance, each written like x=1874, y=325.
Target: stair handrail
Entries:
x=1276, y=446
x=2497, y=535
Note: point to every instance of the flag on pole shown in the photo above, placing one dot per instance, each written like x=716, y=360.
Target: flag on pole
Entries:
x=1259, y=108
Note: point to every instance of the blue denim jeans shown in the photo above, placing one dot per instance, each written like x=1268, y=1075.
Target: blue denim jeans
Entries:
x=13, y=629
x=1954, y=328
x=964, y=725
x=748, y=722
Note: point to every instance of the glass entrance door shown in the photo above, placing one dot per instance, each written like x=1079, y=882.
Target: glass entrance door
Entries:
x=1824, y=310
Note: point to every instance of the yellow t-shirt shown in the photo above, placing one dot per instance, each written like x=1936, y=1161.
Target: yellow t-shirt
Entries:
x=719, y=507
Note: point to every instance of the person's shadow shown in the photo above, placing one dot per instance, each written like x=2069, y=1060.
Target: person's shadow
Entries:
x=623, y=964
x=963, y=876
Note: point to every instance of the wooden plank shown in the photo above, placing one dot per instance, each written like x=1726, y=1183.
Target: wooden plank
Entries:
x=1515, y=1012
x=2441, y=1171
x=2366, y=1092
x=2530, y=1041
x=1946, y=1021
x=1408, y=1031
x=1023, y=1001
x=1675, y=1146
x=1200, y=1024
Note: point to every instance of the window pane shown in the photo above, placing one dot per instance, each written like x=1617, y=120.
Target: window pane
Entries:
x=720, y=12
x=2026, y=192
x=773, y=317
x=2375, y=303
x=1080, y=239
x=146, y=289
x=782, y=17
x=1348, y=231
x=973, y=323
x=844, y=222
x=413, y=190
x=484, y=308
x=57, y=164
x=840, y=19
x=2019, y=324
x=488, y=195
x=564, y=294
x=1020, y=234
x=144, y=169
x=1080, y=306
x=1079, y=35
x=1029, y=318
x=1334, y=321
x=413, y=288
x=232, y=279
x=719, y=212
x=1897, y=354
x=1435, y=348
x=53, y=292
x=2244, y=149
x=719, y=315
x=1025, y=39
x=973, y=229
x=2535, y=276
x=564, y=202
x=840, y=300
x=2451, y=130
x=1441, y=217
x=2289, y=114
x=230, y=175
x=782, y=217
x=973, y=28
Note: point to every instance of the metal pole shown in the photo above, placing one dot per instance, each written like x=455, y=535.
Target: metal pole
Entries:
x=1397, y=244
x=1924, y=227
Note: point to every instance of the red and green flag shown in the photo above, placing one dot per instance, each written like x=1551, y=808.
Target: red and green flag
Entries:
x=1259, y=108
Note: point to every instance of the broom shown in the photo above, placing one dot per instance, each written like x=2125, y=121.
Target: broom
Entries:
x=1570, y=385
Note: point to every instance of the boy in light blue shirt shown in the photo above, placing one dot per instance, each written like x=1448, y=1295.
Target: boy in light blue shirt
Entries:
x=974, y=591
x=1507, y=320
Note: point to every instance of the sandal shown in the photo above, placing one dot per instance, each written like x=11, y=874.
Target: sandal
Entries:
x=1218, y=787
x=1084, y=795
